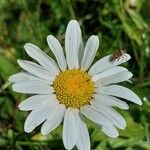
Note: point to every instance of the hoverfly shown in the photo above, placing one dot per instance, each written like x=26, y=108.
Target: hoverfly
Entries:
x=117, y=55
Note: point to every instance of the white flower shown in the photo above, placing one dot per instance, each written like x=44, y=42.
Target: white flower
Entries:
x=70, y=90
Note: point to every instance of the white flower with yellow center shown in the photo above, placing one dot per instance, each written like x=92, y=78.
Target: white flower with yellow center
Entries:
x=70, y=90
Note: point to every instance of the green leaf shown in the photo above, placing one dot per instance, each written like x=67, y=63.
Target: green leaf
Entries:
x=6, y=68
x=133, y=32
x=138, y=20
x=133, y=129
x=102, y=145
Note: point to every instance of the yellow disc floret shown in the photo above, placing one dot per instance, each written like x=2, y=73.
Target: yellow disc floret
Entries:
x=74, y=88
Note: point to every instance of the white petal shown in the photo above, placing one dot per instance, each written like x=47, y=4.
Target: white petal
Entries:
x=83, y=141
x=72, y=43
x=110, y=101
x=110, y=130
x=94, y=115
x=120, y=91
x=111, y=114
x=36, y=70
x=33, y=87
x=36, y=117
x=105, y=64
x=107, y=73
x=129, y=81
x=57, y=49
x=81, y=52
x=54, y=119
x=37, y=101
x=116, y=78
x=70, y=128
x=23, y=76
x=90, y=52
x=42, y=58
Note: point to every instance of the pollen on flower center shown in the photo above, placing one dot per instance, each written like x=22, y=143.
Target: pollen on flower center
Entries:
x=74, y=88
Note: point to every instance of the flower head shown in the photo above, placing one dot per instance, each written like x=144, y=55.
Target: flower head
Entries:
x=70, y=89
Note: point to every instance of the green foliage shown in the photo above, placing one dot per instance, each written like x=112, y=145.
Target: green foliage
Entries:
x=119, y=24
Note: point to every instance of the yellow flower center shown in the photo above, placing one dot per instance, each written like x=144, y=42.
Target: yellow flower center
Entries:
x=74, y=88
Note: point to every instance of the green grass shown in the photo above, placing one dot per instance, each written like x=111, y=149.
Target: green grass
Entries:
x=119, y=24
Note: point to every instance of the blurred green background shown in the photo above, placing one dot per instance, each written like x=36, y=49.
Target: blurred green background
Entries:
x=119, y=24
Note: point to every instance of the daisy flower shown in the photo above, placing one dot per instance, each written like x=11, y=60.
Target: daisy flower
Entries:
x=72, y=89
